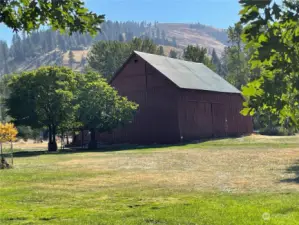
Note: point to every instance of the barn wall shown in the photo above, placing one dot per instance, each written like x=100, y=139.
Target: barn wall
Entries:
x=157, y=118
x=204, y=114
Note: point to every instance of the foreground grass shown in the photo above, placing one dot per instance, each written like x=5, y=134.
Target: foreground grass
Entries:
x=233, y=181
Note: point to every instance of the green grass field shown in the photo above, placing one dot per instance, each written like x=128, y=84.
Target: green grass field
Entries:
x=252, y=180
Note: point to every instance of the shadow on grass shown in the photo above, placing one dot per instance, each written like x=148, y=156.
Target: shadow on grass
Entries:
x=294, y=169
x=104, y=148
x=74, y=150
x=112, y=148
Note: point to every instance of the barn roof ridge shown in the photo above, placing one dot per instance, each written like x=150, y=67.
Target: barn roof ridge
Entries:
x=188, y=75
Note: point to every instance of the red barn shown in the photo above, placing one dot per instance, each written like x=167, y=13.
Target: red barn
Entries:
x=178, y=101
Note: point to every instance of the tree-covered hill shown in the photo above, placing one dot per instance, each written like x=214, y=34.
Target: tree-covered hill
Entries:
x=47, y=47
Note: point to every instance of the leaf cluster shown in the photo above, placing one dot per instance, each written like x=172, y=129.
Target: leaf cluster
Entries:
x=70, y=15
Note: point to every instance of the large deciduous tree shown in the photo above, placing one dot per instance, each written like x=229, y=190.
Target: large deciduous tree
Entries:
x=273, y=31
x=43, y=98
x=101, y=108
x=25, y=15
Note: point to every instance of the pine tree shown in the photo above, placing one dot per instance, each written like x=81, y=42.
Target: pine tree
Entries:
x=59, y=59
x=174, y=42
x=121, y=38
x=195, y=54
x=161, y=50
x=158, y=36
x=173, y=54
x=216, y=61
x=163, y=36
x=71, y=59
x=129, y=36
x=83, y=61
x=17, y=50
x=61, y=43
x=4, y=56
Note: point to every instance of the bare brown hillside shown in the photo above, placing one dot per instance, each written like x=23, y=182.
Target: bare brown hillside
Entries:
x=185, y=36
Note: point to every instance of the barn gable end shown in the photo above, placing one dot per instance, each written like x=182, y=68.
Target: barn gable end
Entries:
x=156, y=120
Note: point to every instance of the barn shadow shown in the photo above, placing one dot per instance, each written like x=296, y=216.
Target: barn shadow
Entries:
x=112, y=148
x=104, y=148
x=294, y=169
x=75, y=150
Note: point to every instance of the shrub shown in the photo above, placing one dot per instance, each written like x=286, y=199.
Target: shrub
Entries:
x=277, y=131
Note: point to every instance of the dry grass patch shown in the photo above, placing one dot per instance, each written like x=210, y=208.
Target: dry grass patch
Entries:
x=26, y=145
x=225, y=170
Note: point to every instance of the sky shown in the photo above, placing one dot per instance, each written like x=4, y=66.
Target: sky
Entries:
x=217, y=13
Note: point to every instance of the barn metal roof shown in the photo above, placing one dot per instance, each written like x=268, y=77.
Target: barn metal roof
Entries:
x=188, y=75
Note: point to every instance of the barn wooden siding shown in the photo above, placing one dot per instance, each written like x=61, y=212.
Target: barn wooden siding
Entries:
x=205, y=114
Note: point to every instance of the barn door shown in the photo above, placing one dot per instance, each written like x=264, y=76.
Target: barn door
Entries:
x=219, y=120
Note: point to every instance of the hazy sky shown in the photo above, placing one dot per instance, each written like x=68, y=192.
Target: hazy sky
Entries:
x=218, y=13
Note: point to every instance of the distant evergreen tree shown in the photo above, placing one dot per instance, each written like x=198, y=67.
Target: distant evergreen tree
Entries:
x=83, y=61
x=71, y=59
x=4, y=54
x=153, y=34
x=121, y=38
x=173, y=54
x=216, y=61
x=129, y=36
x=199, y=55
x=174, y=42
x=37, y=63
x=61, y=43
x=58, y=57
x=161, y=50
x=107, y=56
x=195, y=54
x=163, y=37
x=158, y=39
x=17, y=48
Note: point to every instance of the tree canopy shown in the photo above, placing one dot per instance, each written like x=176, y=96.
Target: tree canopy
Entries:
x=107, y=56
x=61, y=100
x=272, y=31
x=199, y=55
x=70, y=15
x=101, y=108
x=43, y=98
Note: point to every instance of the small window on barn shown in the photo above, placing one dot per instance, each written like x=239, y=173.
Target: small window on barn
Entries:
x=135, y=60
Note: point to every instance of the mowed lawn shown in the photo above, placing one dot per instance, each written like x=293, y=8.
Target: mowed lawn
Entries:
x=251, y=180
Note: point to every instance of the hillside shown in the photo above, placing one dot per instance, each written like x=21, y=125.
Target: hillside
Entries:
x=205, y=36
x=49, y=48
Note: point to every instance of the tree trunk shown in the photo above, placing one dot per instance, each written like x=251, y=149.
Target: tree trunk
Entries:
x=52, y=145
x=1, y=151
x=93, y=142
x=74, y=139
x=67, y=139
x=82, y=138
x=50, y=134
x=62, y=141
x=11, y=149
